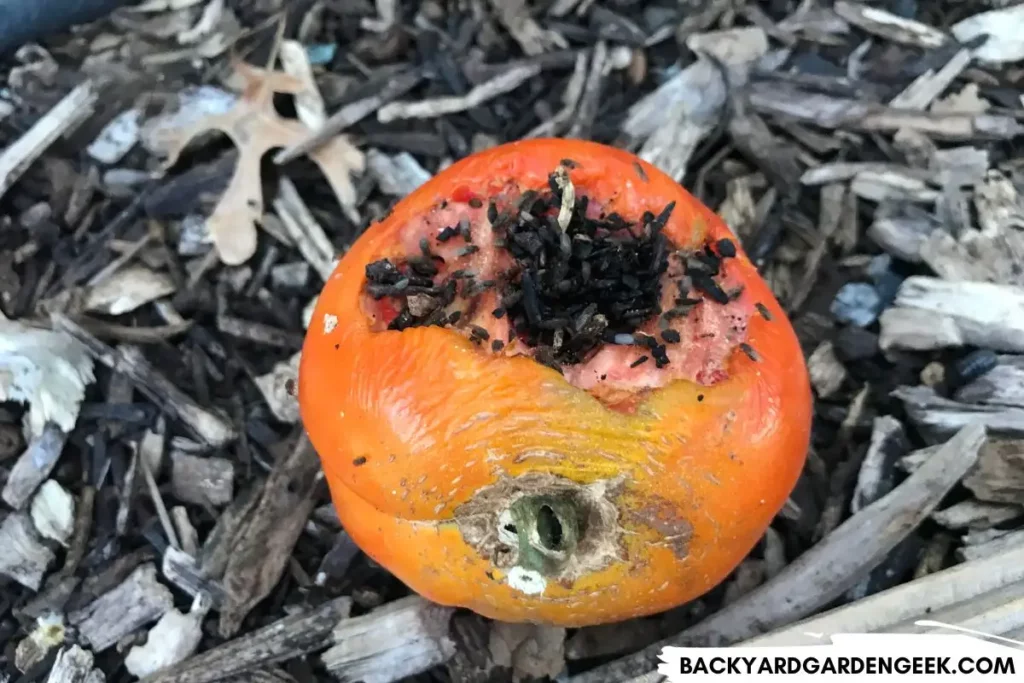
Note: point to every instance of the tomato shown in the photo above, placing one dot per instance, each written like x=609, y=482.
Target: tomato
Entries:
x=593, y=489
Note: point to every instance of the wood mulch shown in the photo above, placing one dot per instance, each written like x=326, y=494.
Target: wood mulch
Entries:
x=163, y=516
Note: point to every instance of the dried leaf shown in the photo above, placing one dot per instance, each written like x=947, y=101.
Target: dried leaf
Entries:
x=255, y=127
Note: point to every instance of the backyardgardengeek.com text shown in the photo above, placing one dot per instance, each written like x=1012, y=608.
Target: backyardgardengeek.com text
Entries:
x=846, y=665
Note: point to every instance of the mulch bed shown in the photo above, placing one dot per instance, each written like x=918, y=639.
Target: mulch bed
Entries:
x=871, y=171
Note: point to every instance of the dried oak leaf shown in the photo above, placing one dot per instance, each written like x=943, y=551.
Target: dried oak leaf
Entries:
x=255, y=127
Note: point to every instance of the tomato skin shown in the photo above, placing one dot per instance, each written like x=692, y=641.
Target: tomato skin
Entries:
x=414, y=427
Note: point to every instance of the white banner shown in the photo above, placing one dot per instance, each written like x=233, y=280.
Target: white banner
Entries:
x=855, y=658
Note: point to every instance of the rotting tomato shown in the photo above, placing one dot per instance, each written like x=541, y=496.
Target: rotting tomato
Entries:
x=569, y=422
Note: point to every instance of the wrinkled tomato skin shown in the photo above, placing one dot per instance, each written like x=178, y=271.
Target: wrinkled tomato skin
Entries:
x=412, y=425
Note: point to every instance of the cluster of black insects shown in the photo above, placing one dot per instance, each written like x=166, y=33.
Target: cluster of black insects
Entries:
x=573, y=288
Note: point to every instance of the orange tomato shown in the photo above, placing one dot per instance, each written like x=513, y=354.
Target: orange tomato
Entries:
x=595, y=492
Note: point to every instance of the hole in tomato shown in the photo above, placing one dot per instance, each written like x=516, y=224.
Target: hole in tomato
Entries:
x=549, y=528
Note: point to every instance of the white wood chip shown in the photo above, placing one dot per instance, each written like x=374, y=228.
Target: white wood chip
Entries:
x=417, y=640
x=128, y=289
x=931, y=313
x=53, y=512
x=890, y=26
x=1004, y=28
x=23, y=556
x=172, y=639
x=46, y=369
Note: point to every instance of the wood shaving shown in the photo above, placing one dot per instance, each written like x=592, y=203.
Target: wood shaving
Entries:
x=48, y=370
x=255, y=127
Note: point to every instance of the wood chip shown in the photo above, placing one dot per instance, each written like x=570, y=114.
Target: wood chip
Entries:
x=287, y=638
x=171, y=640
x=130, y=361
x=309, y=104
x=669, y=123
x=940, y=416
x=397, y=175
x=923, y=91
x=965, y=101
x=202, y=480
x=23, y=555
x=137, y=601
x=418, y=641
x=888, y=443
x=53, y=512
x=46, y=369
x=1002, y=385
x=890, y=26
x=902, y=236
x=827, y=373
x=304, y=230
x=184, y=571
x=65, y=116
x=531, y=652
x=439, y=106
x=278, y=389
x=933, y=597
x=34, y=466
x=74, y=665
x=260, y=553
x=49, y=633
x=999, y=204
x=975, y=514
x=892, y=186
x=1003, y=29
x=994, y=546
x=127, y=290
x=831, y=112
x=532, y=38
x=930, y=313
